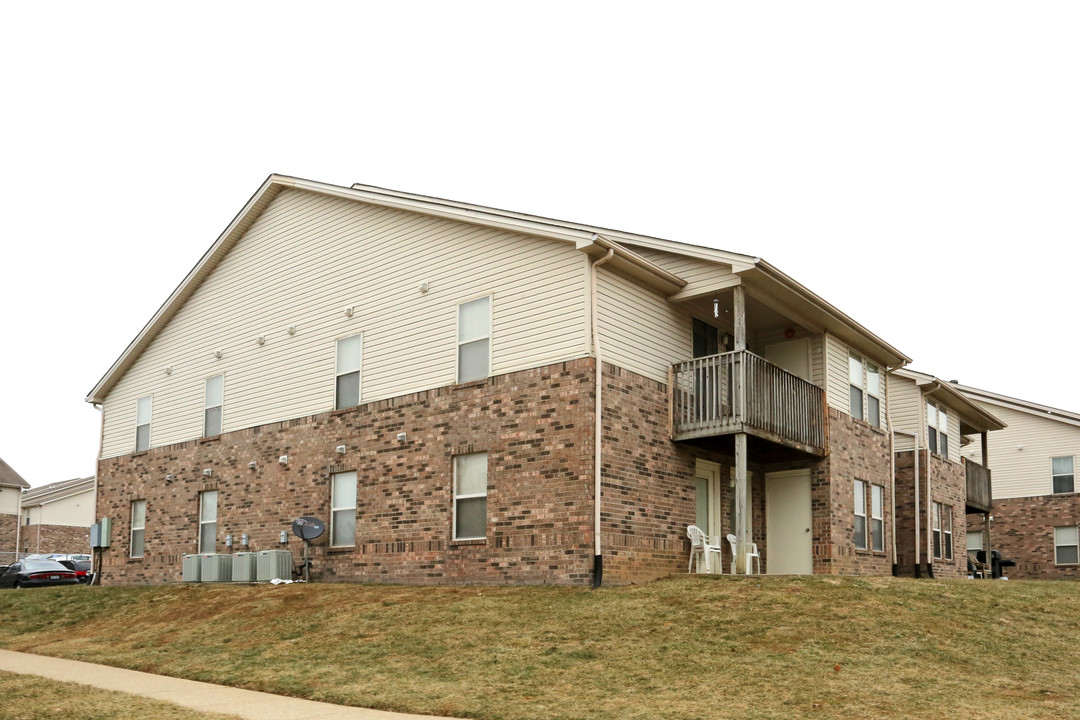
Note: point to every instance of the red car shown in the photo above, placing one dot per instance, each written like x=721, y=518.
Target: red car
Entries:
x=36, y=573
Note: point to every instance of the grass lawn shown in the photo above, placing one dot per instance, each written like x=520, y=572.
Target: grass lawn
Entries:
x=689, y=647
x=25, y=697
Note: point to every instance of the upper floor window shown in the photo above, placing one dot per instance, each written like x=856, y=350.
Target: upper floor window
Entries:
x=937, y=429
x=215, y=393
x=474, y=340
x=873, y=394
x=860, y=515
x=470, y=496
x=857, y=382
x=1061, y=469
x=343, y=510
x=138, y=527
x=208, y=521
x=143, y=412
x=347, y=391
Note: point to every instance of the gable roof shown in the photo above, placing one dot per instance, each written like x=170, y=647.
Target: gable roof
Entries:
x=973, y=418
x=57, y=491
x=1042, y=411
x=10, y=478
x=594, y=241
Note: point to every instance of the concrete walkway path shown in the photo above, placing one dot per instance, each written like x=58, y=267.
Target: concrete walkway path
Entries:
x=189, y=693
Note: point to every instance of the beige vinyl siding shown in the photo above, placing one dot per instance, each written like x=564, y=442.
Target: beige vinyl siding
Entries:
x=300, y=264
x=817, y=360
x=836, y=367
x=9, y=500
x=698, y=274
x=639, y=330
x=1025, y=473
x=77, y=510
x=907, y=411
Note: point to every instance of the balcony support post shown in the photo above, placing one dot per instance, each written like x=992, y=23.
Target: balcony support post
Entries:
x=739, y=302
x=743, y=518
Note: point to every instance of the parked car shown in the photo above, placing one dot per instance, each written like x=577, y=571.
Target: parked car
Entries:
x=36, y=573
x=81, y=569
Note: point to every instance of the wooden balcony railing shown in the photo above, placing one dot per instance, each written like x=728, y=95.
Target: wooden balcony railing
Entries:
x=978, y=487
x=741, y=392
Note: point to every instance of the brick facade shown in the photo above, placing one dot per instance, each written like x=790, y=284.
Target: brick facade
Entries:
x=9, y=528
x=1023, y=531
x=535, y=426
x=54, y=539
x=948, y=485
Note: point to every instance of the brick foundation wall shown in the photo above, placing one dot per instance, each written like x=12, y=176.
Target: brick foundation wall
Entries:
x=949, y=487
x=1023, y=530
x=535, y=425
x=857, y=451
x=9, y=528
x=54, y=539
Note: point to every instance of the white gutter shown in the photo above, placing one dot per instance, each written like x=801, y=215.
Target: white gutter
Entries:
x=892, y=465
x=598, y=431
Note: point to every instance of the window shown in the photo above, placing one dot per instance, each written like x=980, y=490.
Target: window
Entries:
x=860, y=515
x=936, y=518
x=975, y=540
x=937, y=429
x=343, y=510
x=470, y=496
x=347, y=391
x=474, y=340
x=1065, y=546
x=877, y=517
x=208, y=521
x=855, y=377
x=873, y=395
x=946, y=529
x=143, y=411
x=138, y=527
x=215, y=392
x=1061, y=469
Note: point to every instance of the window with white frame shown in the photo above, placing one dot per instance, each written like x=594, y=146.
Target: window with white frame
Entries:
x=1061, y=471
x=144, y=410
x=873, y=394
x=937, y=428
x=343, y=510
x=470, y=496
x=347, y=388
x=860, y=515
x=1065, y=546
x=474, y=340
x=877, y=518
x=857, y=382
x=975, y=540
x=936, y=522
x=214, y=398
x=208, y=507
x=946, y=529
x=138, y=527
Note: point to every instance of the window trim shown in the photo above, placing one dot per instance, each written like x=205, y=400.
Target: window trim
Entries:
x=876, y=421
x=458, y=342
x=149, y=424
x=1054, y=477
x=359, y=370
x=938, y=538
x=470, y=496
x=140, y=528
x=877, y=519
x=334, y=510
x=947, y=531
x=1076, y=534
x=852, y=357
x=221, y=414
x=939, y=410
x=856, y=485
x=202, y=496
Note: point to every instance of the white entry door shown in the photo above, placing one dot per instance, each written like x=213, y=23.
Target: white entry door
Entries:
x=787, y=523
x=793, y=356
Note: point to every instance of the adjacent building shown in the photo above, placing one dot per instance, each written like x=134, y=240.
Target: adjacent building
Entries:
x=467, y=394
x=1036, y=510
x=11, y=486
x=56, y=518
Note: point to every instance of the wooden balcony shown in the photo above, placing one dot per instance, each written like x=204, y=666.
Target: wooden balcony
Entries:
x=978, y=487
x=739, y=392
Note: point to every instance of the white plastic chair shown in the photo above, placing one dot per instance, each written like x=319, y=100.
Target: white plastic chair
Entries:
x=702, y=548
x=751, y=556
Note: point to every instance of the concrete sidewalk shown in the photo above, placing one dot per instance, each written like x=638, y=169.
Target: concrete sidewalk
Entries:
x=189, y=693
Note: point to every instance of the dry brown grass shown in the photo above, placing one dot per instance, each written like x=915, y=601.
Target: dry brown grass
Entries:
x=683, y=648
x=26, y=697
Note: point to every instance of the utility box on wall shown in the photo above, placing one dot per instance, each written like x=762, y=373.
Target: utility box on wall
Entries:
x=101, y=533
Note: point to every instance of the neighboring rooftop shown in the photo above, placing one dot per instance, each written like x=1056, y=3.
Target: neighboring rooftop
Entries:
x=1044, y=411
x=10, y=478
x=57, y=490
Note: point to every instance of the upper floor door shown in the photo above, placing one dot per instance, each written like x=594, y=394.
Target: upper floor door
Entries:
x=792, y=355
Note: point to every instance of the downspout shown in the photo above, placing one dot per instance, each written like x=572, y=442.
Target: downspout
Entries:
x=95, y=567
x=929, y=520
x=918, y=514
x=18, y=527
x=892, y=468
x=598, y=431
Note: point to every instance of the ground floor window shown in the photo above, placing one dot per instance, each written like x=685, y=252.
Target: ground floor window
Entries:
x=470, y=496
x=946, y=529
x=936, y=523
x=343, y=510
x=208, y=521
x=877, y=517
x=860, y=515
x=1065, y=546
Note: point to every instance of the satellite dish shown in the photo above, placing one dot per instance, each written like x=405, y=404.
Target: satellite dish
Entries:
x=308, y=528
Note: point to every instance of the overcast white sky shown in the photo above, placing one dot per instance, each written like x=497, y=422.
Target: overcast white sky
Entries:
x=916, y=164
